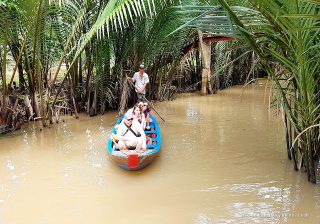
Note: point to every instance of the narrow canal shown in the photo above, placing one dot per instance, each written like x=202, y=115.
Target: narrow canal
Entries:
x=223, y=160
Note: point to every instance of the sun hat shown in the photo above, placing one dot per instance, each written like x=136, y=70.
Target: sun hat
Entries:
x=128, y=116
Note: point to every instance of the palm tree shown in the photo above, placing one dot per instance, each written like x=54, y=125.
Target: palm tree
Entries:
x=135, y=34
x=285, y=36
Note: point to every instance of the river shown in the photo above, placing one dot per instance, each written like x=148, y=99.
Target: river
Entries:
x=223, y=160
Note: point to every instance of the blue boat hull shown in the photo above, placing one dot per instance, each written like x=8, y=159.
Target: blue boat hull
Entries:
x=144, y=159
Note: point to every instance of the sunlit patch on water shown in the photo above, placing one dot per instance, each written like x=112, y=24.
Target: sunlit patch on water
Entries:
x=242, y=188
x=274, y=193
x=254, y=212
x=101, y=127
x=10, y=165
x=192, y=114
x=93, y=154
x=8, y=187
x=25, y=137
x=66, y=147
x=67, y=139
x=274, y=206
x=100, y=181
x=90, y=143
x=102, y=130
x=203, y=219
x=66, y=131
x=67, y=171
x=210, y=219
x=209, y=189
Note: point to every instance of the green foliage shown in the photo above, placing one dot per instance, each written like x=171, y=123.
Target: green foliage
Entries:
x=290, y=44
x=285, y=36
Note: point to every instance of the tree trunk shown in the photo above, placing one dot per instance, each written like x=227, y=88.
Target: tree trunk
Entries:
x=17, y=50
x=4, y=74
x=205, y=54
x=88, y=92
x=93, y=109
x=87, y=87
x=311, y=160
x=288, y=140
x=80, y=70
x=73, y=97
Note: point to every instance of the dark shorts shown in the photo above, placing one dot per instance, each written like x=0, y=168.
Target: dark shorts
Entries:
x=140, y=96
x=116, y=148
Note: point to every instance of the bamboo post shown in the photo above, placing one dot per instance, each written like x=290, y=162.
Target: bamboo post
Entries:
x=205, y=54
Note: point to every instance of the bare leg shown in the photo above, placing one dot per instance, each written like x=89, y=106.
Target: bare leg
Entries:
x=142, y=146
x=148, y=121
x=139, y=146
x=122, y=145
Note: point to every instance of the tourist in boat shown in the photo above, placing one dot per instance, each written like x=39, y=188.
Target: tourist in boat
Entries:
x=130, y=134
x=140, y=79
x=146, y=111
x=139, y=116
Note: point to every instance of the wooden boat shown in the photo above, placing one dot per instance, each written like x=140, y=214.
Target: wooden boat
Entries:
x=131, y=159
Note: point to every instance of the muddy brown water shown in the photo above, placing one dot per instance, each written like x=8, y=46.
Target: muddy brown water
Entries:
x=222, y=160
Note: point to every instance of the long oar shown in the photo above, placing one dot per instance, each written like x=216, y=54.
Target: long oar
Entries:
x=153, y=108
x=147, y=101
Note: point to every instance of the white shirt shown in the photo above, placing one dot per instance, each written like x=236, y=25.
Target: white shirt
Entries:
x=136, y=127
x=140, y=81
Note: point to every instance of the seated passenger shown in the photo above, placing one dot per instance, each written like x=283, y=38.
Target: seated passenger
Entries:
x=130, y=134
x=139, y=116
x=146, y=111
x=140, y=104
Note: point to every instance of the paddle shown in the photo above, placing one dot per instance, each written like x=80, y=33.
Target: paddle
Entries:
x=114, y=140
x=146, y=100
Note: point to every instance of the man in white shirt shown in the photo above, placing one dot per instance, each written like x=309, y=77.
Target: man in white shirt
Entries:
x=140, y=79
x=130, y=134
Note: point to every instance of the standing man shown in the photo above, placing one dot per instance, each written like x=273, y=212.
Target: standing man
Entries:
x=140, y=79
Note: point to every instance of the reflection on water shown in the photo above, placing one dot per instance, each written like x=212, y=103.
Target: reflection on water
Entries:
x=223, y=160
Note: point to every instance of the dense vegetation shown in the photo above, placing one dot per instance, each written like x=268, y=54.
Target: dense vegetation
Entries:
x=74, y=56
